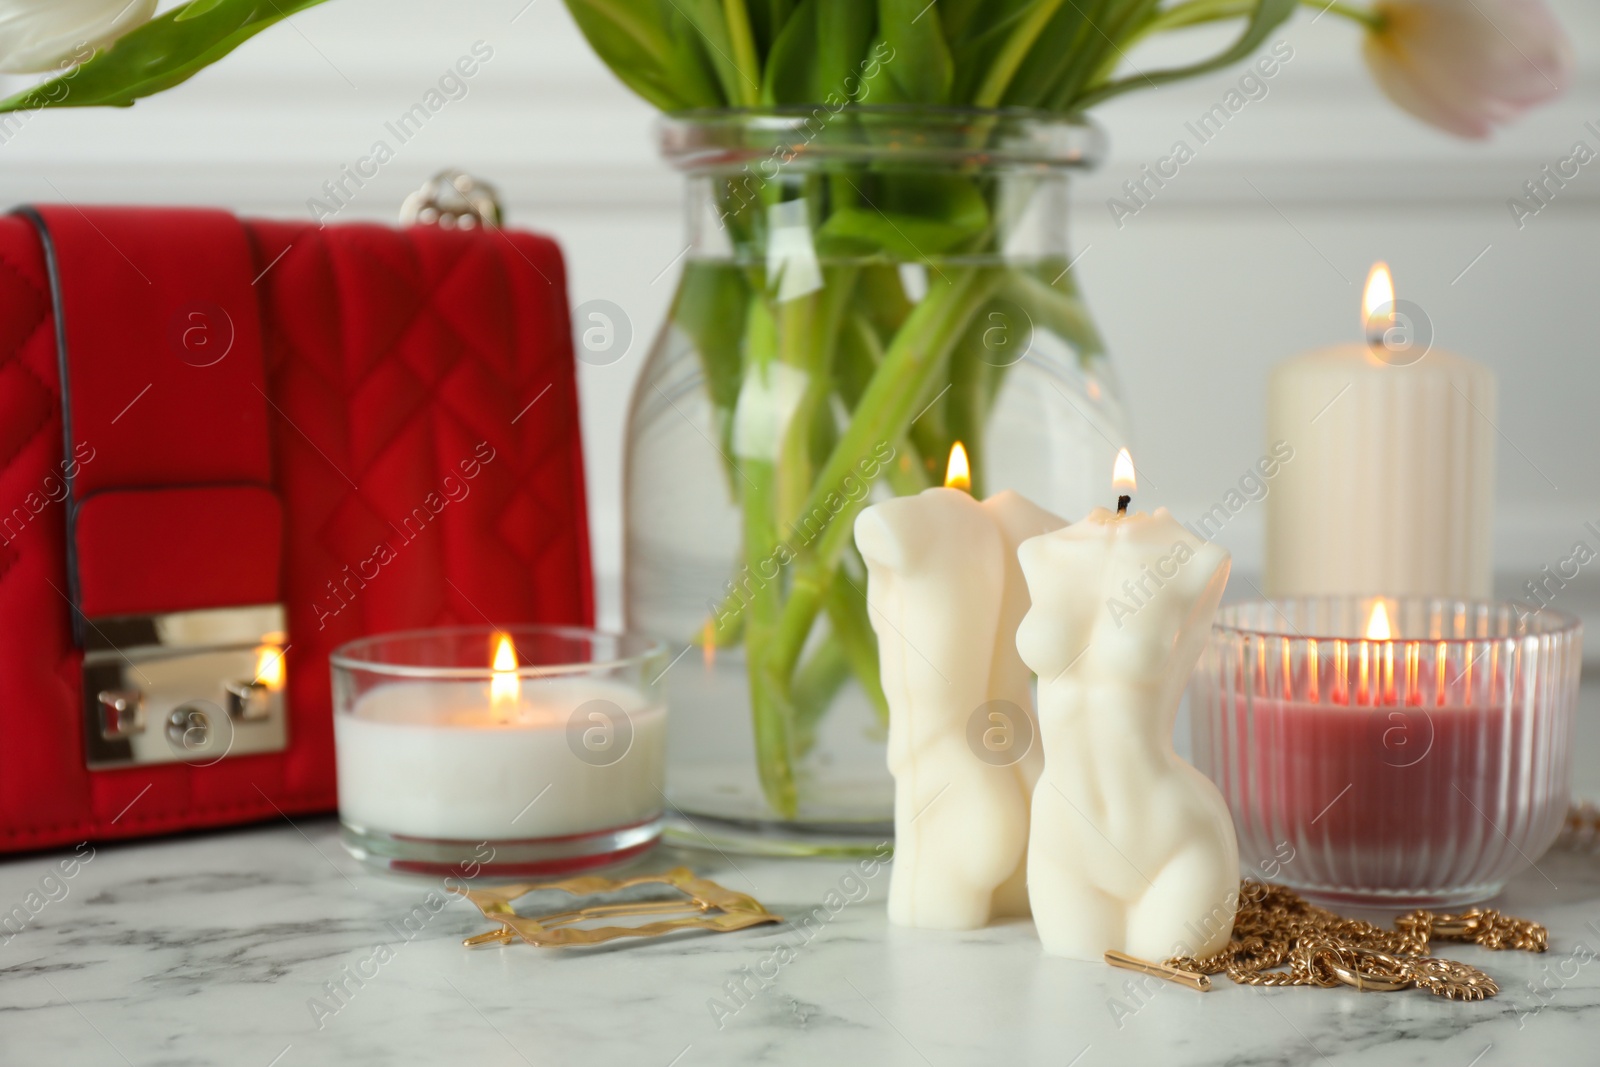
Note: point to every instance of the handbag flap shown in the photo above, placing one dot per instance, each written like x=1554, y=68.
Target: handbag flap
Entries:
x=171, y=504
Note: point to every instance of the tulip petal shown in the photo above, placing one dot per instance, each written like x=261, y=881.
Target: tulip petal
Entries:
x=1468, y=65
x=38, y=36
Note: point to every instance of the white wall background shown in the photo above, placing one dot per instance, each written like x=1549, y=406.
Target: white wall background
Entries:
x=1256, y=251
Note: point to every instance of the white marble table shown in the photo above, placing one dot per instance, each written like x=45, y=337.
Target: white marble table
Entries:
x=218, y=949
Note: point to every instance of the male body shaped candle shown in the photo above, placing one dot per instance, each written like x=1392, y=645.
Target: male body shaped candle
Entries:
x=946, y=594
x=1130, y=847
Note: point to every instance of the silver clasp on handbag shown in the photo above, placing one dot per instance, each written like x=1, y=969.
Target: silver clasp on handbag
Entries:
x=184, y=687
x=453, y=199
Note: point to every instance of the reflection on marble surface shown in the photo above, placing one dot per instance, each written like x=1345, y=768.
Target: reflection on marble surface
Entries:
x=269, y=947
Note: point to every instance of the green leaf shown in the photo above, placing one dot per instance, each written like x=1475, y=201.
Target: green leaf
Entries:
x=916, y=66
x=1267, y=16
x=882, y=300
x=1072, y=36
x=1079, y=42
x=732, y=55
x=195, y=9
x=822, y=48
x=768, y=19
x=1122, y=28
x=652, y=48
x=164, y=52
x=974, y=54
x=711, y=304
x=963, y=19
x=1019, y=43
x=910, y=216
x=902, y=236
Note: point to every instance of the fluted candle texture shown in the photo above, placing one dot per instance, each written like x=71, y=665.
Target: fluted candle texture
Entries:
x=1392, y=483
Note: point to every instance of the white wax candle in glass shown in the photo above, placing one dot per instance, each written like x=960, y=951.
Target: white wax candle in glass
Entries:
x=523, y=751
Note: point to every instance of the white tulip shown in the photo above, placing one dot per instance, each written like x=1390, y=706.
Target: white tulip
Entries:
x=38, y=36
x=1466, y=65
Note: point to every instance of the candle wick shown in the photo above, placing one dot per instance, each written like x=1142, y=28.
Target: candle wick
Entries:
x=1122, y=504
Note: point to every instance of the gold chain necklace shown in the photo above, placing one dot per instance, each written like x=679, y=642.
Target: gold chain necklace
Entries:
x=1275, y=927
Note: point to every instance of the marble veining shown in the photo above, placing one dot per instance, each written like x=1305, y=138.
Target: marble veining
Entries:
x=267, y=946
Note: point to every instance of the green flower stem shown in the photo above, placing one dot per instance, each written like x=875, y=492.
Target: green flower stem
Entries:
x=800, y=348
x=993, y=90
x=907, y=475
x=846, y=606
x=744, y=51
x=883, y=302
x=1059, y=306
x=929, y=437
x=860, y=353
x=816, y=684
x=770, y=704
x=1084, y=57
x=914, y=358
x=881, y=310
x=806, y=330
x=807, y=340
x=919, y=351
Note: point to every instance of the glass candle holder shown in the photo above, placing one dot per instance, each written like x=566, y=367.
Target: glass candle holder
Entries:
x=531, y=750
x=1389, y=753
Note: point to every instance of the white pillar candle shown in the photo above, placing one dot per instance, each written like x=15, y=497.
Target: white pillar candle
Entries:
x=454, y=760
x=1391, y=484
x=1130, y=847
x=946, y=595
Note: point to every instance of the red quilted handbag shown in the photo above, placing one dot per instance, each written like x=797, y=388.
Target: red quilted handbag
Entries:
x=227, y=447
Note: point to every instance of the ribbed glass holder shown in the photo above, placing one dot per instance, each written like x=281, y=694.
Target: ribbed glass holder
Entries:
x=1381, y=752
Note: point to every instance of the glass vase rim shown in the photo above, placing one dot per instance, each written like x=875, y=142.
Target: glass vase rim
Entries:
x=726, y=138
x=633, y=649
x=1550, y=622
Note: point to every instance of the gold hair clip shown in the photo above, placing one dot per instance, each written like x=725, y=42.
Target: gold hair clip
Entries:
x=701, y=898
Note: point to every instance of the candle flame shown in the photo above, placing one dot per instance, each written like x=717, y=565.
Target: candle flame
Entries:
x=504, y=689
x=958, y=473
x=1378, y=623
x=708, y=645
x=1377, y=302
x=1122, y=474
x=269, y=666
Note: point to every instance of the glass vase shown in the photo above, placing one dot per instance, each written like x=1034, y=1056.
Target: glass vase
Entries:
x=863, y=288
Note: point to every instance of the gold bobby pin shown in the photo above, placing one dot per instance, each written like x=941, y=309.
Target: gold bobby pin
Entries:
x=735, y=911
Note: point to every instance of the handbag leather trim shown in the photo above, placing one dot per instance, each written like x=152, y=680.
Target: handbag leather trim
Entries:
x=69, y=474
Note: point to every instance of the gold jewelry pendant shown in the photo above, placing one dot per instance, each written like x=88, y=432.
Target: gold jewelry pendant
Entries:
x=1451, y=979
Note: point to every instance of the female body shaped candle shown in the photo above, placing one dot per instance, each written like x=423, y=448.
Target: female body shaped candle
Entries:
x=946, y=595
x=1131, y=848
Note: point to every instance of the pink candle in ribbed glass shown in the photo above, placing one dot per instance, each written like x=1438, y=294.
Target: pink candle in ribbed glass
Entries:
x=1419, y=762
